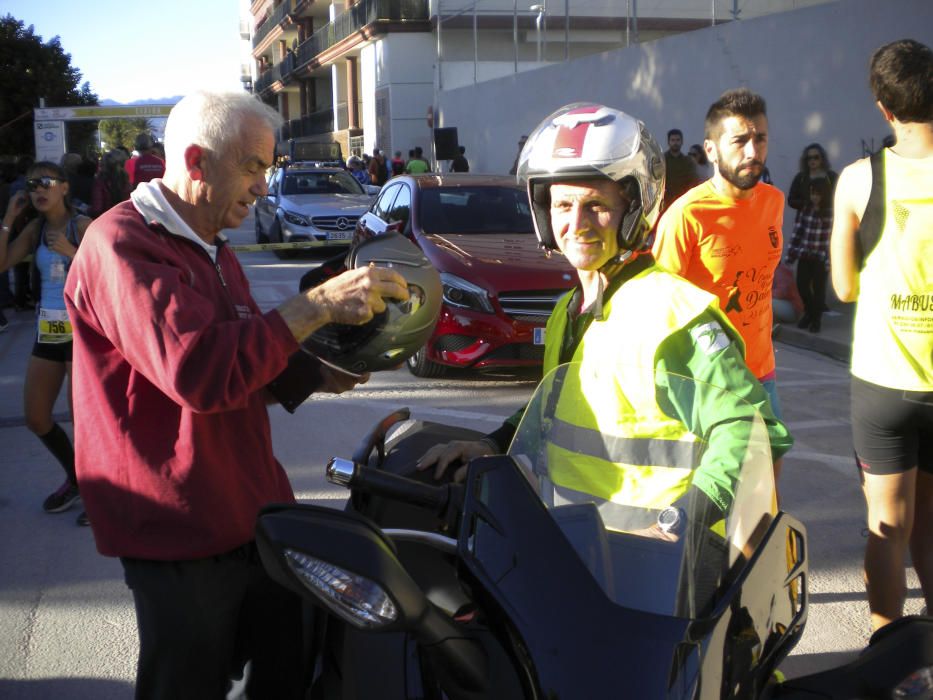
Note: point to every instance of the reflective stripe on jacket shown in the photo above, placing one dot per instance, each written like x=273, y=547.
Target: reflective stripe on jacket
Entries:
x=632, y=453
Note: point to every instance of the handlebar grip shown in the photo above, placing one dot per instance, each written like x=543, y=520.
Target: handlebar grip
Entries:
x=344, y=472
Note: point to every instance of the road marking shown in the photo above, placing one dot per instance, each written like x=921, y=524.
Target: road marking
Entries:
x=814, y=424
x=807, y=383
x=838, y=463
x=273, y=292
x=421, y=411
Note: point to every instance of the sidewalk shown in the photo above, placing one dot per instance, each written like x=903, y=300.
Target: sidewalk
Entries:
x=834, y=339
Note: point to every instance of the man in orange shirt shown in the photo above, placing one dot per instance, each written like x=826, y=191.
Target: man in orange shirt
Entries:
x=724, y=235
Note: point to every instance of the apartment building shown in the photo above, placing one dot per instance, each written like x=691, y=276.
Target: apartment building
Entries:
x=366, y=73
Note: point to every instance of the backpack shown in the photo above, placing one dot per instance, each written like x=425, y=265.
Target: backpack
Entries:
x=872, y=224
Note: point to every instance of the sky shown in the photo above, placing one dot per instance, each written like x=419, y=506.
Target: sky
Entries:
x=134, y=50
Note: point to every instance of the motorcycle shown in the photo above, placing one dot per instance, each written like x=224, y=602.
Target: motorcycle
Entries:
x=527, y=581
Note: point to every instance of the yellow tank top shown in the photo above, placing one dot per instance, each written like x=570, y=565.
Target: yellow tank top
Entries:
x=893, y=336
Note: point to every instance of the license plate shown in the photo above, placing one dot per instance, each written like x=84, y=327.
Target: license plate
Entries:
x=339, y=235
x=538, y=336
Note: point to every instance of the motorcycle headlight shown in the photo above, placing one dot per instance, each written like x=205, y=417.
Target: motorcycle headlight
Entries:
x=354, y=598
x=296, y=219
x=918, y=684
x=465, y=295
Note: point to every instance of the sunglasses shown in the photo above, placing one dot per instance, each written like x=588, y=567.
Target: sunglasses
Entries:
x=815, y=157
x=45, y=182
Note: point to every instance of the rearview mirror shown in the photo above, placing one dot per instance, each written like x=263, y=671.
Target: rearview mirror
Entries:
x=349, y=566
x=343, y=561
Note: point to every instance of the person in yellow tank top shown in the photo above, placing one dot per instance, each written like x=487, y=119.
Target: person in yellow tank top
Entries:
x=890, y=275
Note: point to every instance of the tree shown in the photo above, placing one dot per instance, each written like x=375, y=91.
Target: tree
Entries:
x=122, y=132
x=30, y=69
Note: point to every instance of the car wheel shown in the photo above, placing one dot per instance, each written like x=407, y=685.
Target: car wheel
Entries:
x=260, y=236
x=420, y=366
x=275, y=235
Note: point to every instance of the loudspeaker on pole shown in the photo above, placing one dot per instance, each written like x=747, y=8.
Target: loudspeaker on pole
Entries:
x=446, y=145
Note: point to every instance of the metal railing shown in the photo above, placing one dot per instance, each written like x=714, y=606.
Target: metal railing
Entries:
x=321, y=122
x=355, y=18
x=278, y=14
x=270, y=76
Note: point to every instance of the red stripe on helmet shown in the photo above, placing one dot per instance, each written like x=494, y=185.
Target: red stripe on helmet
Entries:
x=569, y=140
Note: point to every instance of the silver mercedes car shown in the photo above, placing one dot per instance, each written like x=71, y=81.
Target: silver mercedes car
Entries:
x=311, y=204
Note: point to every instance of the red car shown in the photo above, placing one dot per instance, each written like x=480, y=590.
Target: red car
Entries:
x=499, y=286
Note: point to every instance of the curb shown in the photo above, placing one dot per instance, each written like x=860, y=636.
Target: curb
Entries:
x=835, y=349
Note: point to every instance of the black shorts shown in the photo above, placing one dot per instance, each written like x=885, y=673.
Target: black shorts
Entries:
x=56, y=352
x=892, y=429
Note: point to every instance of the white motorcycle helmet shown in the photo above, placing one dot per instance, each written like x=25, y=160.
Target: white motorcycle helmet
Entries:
x=584, y=140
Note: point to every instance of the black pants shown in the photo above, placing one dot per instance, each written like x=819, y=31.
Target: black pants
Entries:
x=811, y=283
x=199, y=621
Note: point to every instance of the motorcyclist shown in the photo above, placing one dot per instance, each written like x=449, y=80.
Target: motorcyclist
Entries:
x=595, y=179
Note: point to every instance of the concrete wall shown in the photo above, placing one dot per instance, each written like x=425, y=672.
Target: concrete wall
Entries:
x=809, y=64
x=403, y=75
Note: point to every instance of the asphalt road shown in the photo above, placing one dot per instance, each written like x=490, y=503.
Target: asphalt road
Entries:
x=66, y=621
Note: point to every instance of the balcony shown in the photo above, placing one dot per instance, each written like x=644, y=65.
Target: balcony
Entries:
x=352, y=20
x=273, y=21
x=278, y=73
x=267, y=78
x=321, y=122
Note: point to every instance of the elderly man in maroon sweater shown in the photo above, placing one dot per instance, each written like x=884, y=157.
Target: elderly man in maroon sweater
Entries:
x=174, y=364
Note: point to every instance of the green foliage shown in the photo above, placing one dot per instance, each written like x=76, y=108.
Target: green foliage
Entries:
x=122, y=132
x=30, y=69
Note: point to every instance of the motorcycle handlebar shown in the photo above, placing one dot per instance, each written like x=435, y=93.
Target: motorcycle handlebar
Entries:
x=351, y=475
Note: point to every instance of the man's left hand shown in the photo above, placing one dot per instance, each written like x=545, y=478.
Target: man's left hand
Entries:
x=655, y=532
x=333, y=381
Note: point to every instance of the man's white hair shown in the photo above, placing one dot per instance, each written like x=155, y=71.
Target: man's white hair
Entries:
x=211, y=120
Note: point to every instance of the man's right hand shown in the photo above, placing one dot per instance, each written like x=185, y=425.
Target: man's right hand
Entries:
x=458, y=452
x=352, y=297
x=355, y=296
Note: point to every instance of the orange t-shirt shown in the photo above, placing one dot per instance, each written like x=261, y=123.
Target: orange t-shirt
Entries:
x=729, y=247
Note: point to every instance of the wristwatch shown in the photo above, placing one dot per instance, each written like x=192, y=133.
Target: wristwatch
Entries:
x=672, y=520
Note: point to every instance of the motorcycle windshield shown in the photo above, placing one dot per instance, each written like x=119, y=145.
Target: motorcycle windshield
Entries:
x=662, y=484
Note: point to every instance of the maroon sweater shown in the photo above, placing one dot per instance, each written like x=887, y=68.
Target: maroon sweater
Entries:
x=172, y=440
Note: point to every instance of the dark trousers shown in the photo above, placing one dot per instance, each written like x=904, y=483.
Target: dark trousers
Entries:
x=199, y=621
x=811, y=283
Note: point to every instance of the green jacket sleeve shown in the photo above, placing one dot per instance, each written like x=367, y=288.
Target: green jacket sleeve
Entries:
x=705, y=352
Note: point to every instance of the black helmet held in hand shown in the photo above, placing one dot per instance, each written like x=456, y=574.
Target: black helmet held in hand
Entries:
x=394, y=335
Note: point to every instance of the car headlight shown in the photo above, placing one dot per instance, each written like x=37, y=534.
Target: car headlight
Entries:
x=296, y=219
x=465, y=295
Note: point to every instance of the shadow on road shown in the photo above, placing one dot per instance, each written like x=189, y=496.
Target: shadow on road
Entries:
x=73, y=688
x=805, y=664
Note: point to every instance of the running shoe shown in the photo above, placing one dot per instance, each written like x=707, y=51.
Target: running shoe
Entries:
x=82, y=519
x=3, y=322
x=65, y=497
